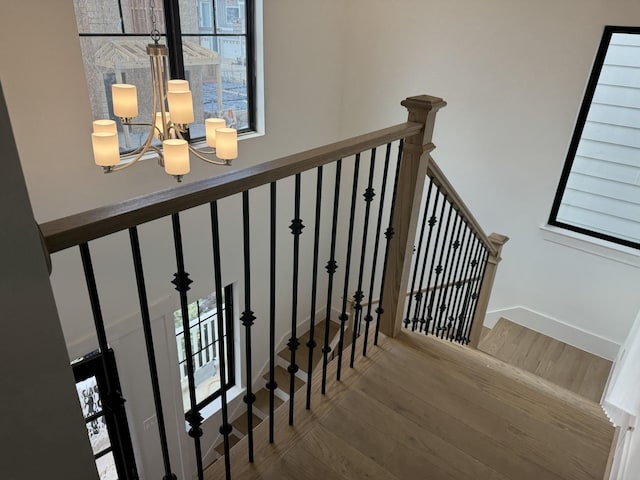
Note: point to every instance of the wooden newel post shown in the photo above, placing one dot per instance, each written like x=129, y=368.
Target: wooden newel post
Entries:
x=411, y=180
x=497, y=241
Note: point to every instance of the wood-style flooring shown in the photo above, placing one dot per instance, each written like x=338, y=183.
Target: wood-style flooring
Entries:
x=560, y=363
x=421, y=408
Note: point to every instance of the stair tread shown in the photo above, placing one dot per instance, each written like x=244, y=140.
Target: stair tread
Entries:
x=283, y=379
x=241, y=423
x=232, y=441
x=262, y=401
x=567, y=366
x=302, y=354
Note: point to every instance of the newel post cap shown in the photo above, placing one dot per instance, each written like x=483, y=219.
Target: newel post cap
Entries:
x=423, y=102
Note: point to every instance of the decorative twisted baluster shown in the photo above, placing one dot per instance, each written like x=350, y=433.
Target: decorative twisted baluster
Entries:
x=388, y=234
x=112, y=399
x=417, y=253
x=151, y=356
x=182, y=283
x=225, y=427
x=345, y=291
x=331, y=268
x=296, y=228
x=311, y=343
x=247, y=318
x=368, y=317
x=369, y=195
x=422, y=294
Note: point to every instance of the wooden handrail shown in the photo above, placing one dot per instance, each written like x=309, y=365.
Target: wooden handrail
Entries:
x=434, y=172
x=83, y=227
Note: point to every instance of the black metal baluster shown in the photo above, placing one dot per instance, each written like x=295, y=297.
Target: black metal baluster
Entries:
x=271, y=384
x=112, y=399
x=468, y=276
x=331, y=268
x=389, y=233
x=446, y=272
x=343, y=315
x=225, y=427
x=416, y=263
x=311, y=343
x=453, y=273
x=247, y=318
x=475, y=263
x=368, y=317
x=296, y=230
x=454, y=245
x=457, y=285
x=474, y=295
x=182, y=283
x=431, y=292
x=422, y=294
x=151, y=356
x=369, y=195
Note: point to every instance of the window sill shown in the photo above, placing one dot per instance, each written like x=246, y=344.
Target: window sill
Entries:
x=594, y=246
x=214, y=407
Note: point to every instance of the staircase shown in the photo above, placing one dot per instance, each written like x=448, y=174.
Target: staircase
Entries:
x=261, y=405
x=470, y=416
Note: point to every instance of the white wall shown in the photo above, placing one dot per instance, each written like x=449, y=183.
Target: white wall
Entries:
x=513, y=74
x=38, y=393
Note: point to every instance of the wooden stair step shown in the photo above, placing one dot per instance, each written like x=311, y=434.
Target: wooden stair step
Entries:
x=232, y=441
x=241, y=423
x=262, y=401
x=566, y=366
x=302, y=354
x=283, y=379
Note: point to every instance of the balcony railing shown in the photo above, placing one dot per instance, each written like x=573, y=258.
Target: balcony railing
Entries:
x=336, y=226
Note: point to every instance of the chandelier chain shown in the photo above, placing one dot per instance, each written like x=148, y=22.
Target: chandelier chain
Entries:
x=155, y=33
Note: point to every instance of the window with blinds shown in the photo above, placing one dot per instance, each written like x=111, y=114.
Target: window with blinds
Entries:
x=599, y=192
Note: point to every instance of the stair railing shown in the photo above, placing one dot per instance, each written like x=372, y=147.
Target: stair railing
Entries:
x=456, y=261
x=356, y=253
x=448, y=249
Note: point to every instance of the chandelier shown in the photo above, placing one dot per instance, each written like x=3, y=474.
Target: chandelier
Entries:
x=172, y=113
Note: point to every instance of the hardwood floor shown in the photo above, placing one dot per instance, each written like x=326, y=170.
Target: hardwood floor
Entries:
x=420, y=408
x=562, y=364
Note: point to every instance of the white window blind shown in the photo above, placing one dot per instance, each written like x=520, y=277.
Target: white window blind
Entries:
x=601, y=192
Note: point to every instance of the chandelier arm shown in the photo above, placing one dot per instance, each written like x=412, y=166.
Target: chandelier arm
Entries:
x=208, y=160
x=197, y=154
x=147, y=144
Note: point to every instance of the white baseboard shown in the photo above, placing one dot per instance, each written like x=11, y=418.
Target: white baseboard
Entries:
x=554, y=328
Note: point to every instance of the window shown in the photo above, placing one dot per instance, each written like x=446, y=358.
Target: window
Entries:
x=599, y=191
x=113, y=456
x=215, y=56
x=205, y=338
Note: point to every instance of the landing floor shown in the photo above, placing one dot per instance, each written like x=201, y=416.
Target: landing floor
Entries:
x=565, y=365
x=419, y=408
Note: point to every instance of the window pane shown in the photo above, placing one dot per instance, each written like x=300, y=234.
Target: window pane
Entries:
x=89, y=397
x=103, y=16
x=107, y=467
x=197, y=17
x=110, y=60
x=98, y=435
x=98, y=16
x=217, y=68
